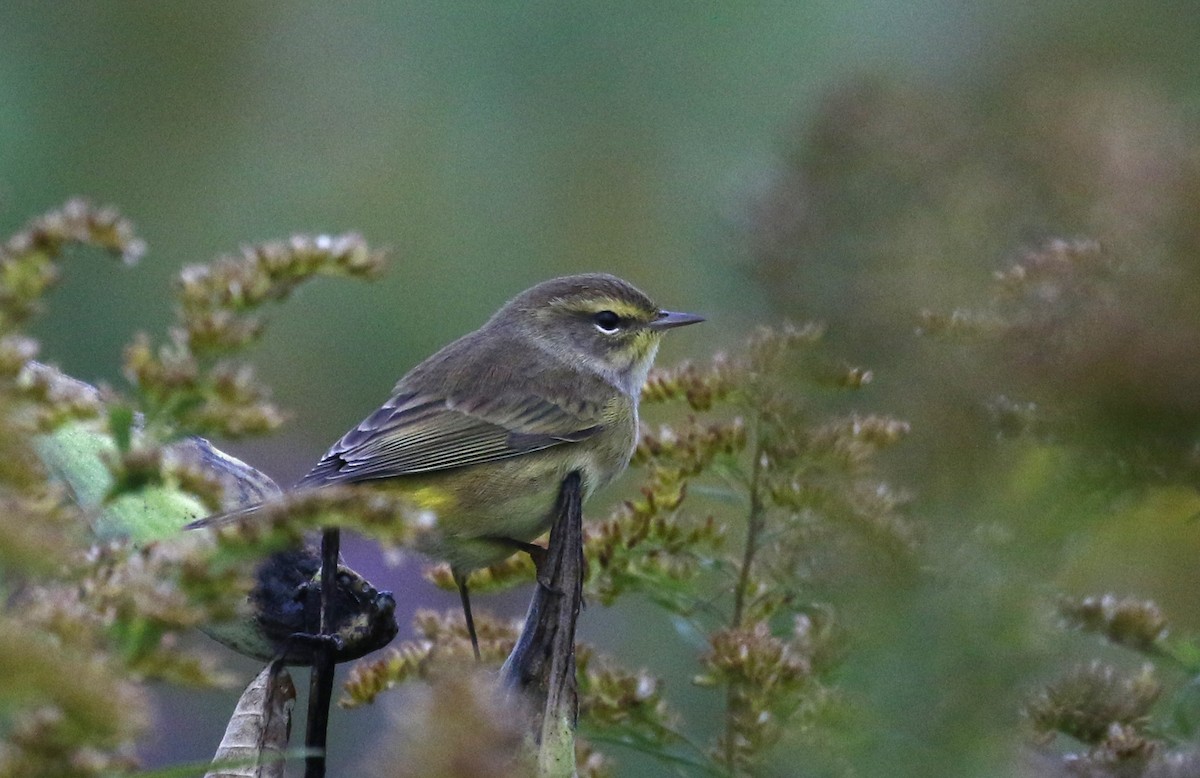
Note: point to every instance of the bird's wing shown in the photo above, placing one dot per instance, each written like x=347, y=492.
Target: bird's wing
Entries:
x=420, y=433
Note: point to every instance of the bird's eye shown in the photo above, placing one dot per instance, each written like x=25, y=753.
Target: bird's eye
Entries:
x=607, y=322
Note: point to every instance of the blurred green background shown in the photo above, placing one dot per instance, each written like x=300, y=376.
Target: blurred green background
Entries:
x=852, y=162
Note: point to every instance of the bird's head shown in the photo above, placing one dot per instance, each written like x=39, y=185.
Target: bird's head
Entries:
x=595, y=321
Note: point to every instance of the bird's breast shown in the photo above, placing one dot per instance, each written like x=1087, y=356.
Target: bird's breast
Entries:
x=513, y=498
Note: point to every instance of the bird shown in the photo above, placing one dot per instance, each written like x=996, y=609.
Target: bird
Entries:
x=482, y=433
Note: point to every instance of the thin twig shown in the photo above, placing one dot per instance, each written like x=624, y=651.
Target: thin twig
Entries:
x=698, y=764
x=754, y=526
x=320, y=687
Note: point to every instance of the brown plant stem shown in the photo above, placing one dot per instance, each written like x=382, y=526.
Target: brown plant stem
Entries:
x=754, y=526
x=541, y=666
x=320, y=687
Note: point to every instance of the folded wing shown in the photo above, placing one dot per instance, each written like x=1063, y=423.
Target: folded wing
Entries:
x=419, y=433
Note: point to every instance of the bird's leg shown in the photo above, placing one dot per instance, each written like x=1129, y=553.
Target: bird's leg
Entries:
x=460, y=580
x=536, y=553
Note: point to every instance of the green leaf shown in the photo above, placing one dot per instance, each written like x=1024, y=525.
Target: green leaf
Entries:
x=120, y=425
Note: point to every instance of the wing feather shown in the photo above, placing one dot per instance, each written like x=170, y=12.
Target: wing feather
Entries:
x=419, y=433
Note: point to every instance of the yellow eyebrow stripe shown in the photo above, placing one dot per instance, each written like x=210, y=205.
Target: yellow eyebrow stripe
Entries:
x=619, y=307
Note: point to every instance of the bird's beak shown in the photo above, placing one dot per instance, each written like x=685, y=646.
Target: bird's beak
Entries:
x=668, y=319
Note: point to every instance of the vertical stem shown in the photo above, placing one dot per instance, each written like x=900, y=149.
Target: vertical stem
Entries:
x=542, y=664
x=754, y=525
x=320, y=686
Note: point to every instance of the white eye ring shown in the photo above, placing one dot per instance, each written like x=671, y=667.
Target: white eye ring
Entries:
x=607, y=322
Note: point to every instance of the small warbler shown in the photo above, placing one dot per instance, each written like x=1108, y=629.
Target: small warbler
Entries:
x=483, y=432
